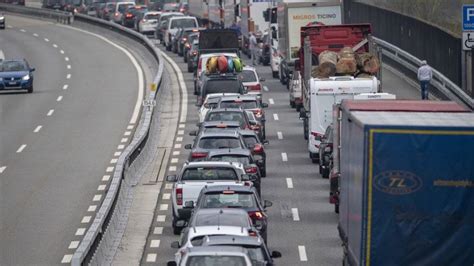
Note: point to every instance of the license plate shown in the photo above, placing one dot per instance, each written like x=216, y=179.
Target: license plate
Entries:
x=12, y=83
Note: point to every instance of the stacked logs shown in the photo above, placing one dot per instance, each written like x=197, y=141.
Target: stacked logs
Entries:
x=346, y=62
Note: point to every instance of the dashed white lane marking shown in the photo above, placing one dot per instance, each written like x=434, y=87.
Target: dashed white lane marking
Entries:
x=65, y=87
x=86, y=219
x=174, y=160
x=113, y=161
x=117, y=153
x=179, y=139
x=172, y=169
x=180, y=132
x=155, y=243
x=289, y=182
x=22, y=30
x=123, y=140
x=97, y=197
x=92, y=208
x=284, y=157
x=176, y=153
x=66, y=58
x=296, y=215
x=271, y=101
x=80, y=231
x=163, y=207
x=60, y=98
x=68, y=76
x=67, y=258
x=275, y=116
x=151, y=257
x=106, y=178
x=55, y=45
x=161, y=218
x=130, y=127
x=46, y=39
x=2, y=55
x=35, y=34
x=22, y=147
x=68, y=66
x=177, y=146
x=127, y=133
x=61, y=51
x=2, y=169
x=168, y=186
x=182, y=125
x=101, y=187
x=38, y=128
x=166, y=196
x=50, y=113
x=73, y=245
x=302, y=252
x=120, y=147
x=265, y=88
x=280, y=135
x=158, y=230
x=109, y=169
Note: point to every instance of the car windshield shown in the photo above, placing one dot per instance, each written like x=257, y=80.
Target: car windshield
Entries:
x=183, y=23
x=219, y=143
x=231, y=158
x=170, y=7
x=238, y=104
x=250, y=141
x=248, y=76
x=209, y=173
x=8, y=66
x=228, y=219
x=227, y=116
x=228, y=200
x=216, y=260
x=122, y=7
x=151, y=16
x=222, y=86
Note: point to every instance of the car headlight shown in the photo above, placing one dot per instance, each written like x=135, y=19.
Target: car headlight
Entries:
x=2, y=18
x=1, y=79
x=27, y=77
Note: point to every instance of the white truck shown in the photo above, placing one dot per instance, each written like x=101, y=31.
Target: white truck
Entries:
x=252, y=20
x=200, y=10
x=292, y=15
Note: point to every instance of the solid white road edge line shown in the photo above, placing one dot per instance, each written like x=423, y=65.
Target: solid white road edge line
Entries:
x=2, y=55
x=182, y=85
x=302, y=252
x=141, y=75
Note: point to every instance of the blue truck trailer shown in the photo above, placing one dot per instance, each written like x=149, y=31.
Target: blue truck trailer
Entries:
x=407, y=187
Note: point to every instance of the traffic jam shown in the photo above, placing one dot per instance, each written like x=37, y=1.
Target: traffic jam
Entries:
x=371, y=149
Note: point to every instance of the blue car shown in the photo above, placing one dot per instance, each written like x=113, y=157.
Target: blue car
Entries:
x=16, y=75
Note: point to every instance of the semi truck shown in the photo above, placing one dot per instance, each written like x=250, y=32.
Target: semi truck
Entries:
x=319, y=94
x=407, y=185
x=292, y=15
x=252, y=20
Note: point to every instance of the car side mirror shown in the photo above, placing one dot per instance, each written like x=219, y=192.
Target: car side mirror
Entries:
x=193, y=133
x=175, y=244
x=245, y=177
x=318, y=137
x=264, y=105
x=188, y=146
x=171, y=178
x=265, y=142
x=198, y=124
x=189, y=204
x=262, y=79
x=303, y=115
x=32, y=69
x=267, y=204
x=276, y=254
x=253, y=123
x=173, y=263
x=181, y=223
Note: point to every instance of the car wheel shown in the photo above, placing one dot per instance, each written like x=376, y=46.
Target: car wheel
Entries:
x=314, y=160
x=168, y=47
x=292, y=104
x=275, y=74
x=185, y=57
x=190, y=68
x=321, y=169
x=298, y=108
x=336, y=208
x=176, y=230
x=325, y=173
x=280, y=75
x=30, y=89
x=264, y=172
x=305, y=128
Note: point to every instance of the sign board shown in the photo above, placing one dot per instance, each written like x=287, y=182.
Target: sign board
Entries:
x=468, y=40
x=468, y=17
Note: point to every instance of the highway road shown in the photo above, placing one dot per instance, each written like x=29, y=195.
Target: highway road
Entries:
x=59, y=145
x=302, y=224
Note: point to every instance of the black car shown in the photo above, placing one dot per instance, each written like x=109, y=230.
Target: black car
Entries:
x=243, y=156
x=187, y=38
x=191, y=56
x=216, y=126
x=220, y=83
x=257, y=249
x=192, y=39
x=252, y=141
x=325, y=152
x=180, y=39
x=233, y=196
x=208, y=141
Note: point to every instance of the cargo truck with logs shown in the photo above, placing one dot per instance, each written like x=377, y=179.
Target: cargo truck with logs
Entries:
x=407, y=184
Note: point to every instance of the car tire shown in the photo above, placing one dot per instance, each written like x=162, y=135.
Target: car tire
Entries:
x=168, y=47
x=30, y=89
x=185, y=57
x=176, y=230
x=292, y=104
x=315, y=160
x=305, y=129
x=190, y=69
x=264, y=172
x=298, y=108
x=275, y=74
x=325, y=173
x=321, y=169
x=336, y=208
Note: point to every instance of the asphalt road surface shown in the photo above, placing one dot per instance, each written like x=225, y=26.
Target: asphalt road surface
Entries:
x=302, y=222
x=59, y=144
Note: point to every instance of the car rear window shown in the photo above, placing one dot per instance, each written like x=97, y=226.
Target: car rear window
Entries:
x=238, y=104
x=227, y=116
x=232, y=158
x=216, y=260
x=151, y=16
x=122, y=7
x=209, y=173
x=248, y=76
x=183, y=23
x=235, y=200
x=250, y=141
x=227, y=219
x=219, y=143
x=222, y=86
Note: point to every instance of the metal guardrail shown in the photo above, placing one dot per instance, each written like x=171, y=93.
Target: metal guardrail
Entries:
x=448, y=88
x=58, y=16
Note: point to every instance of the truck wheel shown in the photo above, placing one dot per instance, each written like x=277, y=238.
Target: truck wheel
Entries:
x=275, y=74
x=336, y=208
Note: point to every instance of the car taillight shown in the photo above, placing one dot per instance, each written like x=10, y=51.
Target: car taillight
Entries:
x=251, y=170
x=316, y=134
x=199, y=66
x=188, y=45
x=117, y=14
x=256, y=215
x=179, y=196
x=252, y=233
x=184, y=39
x=255, y=88
x=198, y=154
x=258, y=148
x=254, y=127
x=247, y=183
x=258, y=113
x=194, y=53
x=144, y=20
x=128, y=15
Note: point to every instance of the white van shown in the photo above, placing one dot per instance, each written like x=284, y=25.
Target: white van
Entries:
x=174, y=24
x=325, y=93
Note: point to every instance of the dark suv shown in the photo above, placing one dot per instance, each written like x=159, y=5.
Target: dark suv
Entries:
x=220, y=83
x=325, y=152
x=208, y=141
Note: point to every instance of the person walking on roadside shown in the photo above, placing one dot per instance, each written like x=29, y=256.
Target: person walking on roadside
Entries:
x=253, y=46
x=425, y=74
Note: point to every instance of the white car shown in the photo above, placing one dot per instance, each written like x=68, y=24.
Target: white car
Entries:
x=274, y=59
x=174, y=24
x=252, y=81
x=224, y=255
x=211, y=101
x=149, y=22
x=119, y=9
